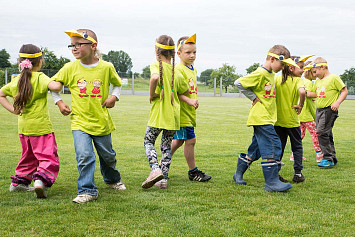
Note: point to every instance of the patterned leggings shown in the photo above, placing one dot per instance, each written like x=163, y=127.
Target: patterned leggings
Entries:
x=149, y=140
x=311, y=126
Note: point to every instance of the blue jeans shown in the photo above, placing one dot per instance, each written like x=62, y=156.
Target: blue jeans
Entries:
x=265, y=143
x=86, y=161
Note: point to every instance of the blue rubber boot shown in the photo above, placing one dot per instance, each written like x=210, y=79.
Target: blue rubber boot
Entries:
x=271, y=176
x=242, y=166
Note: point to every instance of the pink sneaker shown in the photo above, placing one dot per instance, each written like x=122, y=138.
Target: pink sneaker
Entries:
x=162, y=184
x=154, y=176
x=319, y=156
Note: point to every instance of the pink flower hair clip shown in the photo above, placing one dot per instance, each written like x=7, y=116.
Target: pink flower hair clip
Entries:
x=26, y=64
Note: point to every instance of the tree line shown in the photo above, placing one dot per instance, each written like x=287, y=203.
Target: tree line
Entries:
x=123, y=65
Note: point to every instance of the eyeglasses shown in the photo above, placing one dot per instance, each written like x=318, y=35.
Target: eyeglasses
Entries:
x=76, y=45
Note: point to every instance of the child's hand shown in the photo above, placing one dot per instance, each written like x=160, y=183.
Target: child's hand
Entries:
x=255, y=101
x=109, y=102
x=335, y=106
x=193, y=102
x=151, y=97
x=64, y=108
x=298, y=108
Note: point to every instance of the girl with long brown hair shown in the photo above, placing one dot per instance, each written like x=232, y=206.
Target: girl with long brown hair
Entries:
x=39, y=160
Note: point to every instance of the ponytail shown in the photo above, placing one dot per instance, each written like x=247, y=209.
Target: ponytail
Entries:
x=25, y=90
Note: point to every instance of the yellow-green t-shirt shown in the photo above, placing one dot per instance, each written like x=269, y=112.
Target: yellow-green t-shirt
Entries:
x=34, y=120
x=328, y=90
x=163, y=114
x=89, y=88
x=187, y=112
x=308, y=112
x=262, y=83
x=287, y=95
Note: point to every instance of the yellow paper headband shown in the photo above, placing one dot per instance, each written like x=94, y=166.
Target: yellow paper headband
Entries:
x=25, y=55
x=319, y=64
x=162, y=46
x=308, y=67
x=191, y=39
x=288, y=61
x=83, y=35
x=302, y=58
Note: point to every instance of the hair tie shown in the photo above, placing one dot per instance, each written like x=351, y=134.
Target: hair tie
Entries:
x=25, y=64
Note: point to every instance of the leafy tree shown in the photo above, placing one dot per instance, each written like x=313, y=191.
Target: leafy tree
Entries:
x=2, y=78
x=146, y=72
x=120, y=60
x=348, y=75
x=51, y=61
x=205, y=76
x=252, y=68
x=227, y=74
x=4, y=59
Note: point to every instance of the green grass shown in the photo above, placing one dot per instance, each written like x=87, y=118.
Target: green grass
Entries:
x=321, y=206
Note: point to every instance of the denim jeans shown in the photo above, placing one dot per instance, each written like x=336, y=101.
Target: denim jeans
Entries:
x=86, y=161
x=265, y=143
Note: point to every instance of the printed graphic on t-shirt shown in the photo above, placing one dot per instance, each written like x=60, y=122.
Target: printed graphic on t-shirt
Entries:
x=268, y=90
x=192, y=88
x=83, y=87
x=321, y=92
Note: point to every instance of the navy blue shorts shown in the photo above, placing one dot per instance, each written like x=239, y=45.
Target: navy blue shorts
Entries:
x=185, y=133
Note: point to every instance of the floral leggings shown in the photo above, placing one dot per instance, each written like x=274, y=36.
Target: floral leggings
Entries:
x=149, y=141
x=311, y=127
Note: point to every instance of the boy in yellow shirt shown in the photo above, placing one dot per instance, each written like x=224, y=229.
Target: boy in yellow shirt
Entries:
x=189, y=103
x=328, y=101
x=259, y=86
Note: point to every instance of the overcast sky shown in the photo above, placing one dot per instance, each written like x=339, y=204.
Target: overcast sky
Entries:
x=228, y=31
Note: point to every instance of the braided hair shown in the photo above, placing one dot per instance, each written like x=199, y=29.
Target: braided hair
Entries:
x=167, y=53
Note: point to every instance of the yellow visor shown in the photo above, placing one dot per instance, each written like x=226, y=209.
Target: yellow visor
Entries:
x=162, y=46
x=83, y=35
x=308, y=67
x=191, y=39
x=288, y=61
x=319, y=64
x=305, y=57
x=25, y=55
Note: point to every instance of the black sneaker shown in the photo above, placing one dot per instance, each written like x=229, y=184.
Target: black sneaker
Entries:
x=282, y=179
x=199, y=176
x=298, y=178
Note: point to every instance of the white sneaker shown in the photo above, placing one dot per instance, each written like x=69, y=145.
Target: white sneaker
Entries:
x=82, y=198
x=118, y=186
x=20, y=188
x=162, y=184
x=40, y=189
x=154, y=176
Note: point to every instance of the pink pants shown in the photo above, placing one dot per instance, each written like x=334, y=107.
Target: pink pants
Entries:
x=39, y=160
x=311, y=126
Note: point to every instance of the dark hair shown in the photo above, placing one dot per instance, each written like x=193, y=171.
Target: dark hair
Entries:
x=24, y=85
x=286, y=71
x=167, y=53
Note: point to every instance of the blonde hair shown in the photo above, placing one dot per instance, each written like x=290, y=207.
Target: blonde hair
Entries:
x=92, y=34
x=320, y=60
x=179, y=41
x=308, y=74
x=167, y=53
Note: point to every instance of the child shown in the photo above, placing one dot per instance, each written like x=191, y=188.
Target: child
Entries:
x=39, y=160
x=165, y=112
x=259, y=86
x=187, y=52
x=88, y=79
x=290, y=96
x=328, y=101
x=307, y=115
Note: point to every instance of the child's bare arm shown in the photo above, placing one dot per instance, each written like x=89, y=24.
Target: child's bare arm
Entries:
x=302, y=94
x=311, y=94
x=55, y=86
x=336, y=104
x=6, y=103
x=152, y=86
x=189, y=101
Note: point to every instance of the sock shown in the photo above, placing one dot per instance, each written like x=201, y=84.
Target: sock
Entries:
x=193, y=170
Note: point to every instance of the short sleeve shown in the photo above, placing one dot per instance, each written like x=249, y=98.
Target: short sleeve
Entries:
x=44, y=80
x=114, y=77
x=6, y=89
x=300, y=83
x=180, y=83
x=154, y=68
x=62, y=75
x=251, y=80
x=339, y=84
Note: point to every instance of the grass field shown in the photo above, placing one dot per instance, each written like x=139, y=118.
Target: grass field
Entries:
x=321, y=206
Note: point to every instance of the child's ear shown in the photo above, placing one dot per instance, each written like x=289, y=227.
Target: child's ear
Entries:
x=178, y=53
x=94, y=46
